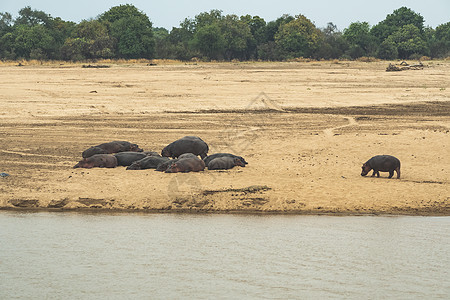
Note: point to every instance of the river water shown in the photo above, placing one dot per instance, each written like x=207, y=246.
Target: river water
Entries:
x=178, y=256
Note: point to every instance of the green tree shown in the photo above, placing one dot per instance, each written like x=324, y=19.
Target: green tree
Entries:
x=181, y=42
x=90, y=40
x=408, y=41
x=30, y=17
x=237, y=37
x=393, y=22
x=440, y=41
x=6, y=22
x=298, y=38
x=209, y=40
x=333, y=44
x=33, y=42
x=132, y=29
x=387, y=50
x=361, y=42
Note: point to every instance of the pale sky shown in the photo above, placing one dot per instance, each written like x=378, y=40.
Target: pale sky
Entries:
x=169, y=13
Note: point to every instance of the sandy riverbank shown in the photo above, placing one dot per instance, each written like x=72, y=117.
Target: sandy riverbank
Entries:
x=304, y=128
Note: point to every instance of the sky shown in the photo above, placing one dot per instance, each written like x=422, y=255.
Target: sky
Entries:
x=169, y=13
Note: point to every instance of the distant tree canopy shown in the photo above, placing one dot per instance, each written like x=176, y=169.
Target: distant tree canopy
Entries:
x=124, y=31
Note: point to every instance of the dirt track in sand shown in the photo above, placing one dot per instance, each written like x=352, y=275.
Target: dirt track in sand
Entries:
x=304, y=128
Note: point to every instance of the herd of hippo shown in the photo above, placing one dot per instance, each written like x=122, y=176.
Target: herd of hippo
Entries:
x=183, y=154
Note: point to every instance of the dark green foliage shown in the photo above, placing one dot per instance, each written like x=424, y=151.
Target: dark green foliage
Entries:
x=408, y=41
x=361, y=42
x=124, y=31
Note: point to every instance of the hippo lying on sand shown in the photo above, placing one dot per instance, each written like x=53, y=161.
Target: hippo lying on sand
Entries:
x=127, y=158
x=216, y=155
x=150, y=162
x=187, y=144
x=185, y=165
x=224, y=163
x=383, y=163
x=163, y=166
x=98, y=161
x=111, y=147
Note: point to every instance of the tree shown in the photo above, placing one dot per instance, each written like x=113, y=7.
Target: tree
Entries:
x=90, y=40
x=33, y=42
x=387, y=50
x=393, y=22
x=298, y=38
x=440, y=44
x=237, y=37
x=6, y=21
x=209, y=40
x=334, y=44
x=132, y=29
x=408, y=41
x=31, y=17
x=361, y=42
x=181, y=41
x=134, y=37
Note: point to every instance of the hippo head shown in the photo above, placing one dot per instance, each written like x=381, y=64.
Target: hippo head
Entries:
x=134, y=166
x=173, y=168
x=365, y=169
x=84, y=163
x=166, y=152
x=135, y=148
x=239, y=162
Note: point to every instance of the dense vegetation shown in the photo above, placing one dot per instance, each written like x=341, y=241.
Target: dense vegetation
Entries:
x=126, y=32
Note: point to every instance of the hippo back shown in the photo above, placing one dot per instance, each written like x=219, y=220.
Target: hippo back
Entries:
x=221, y=163
x=216, y=155
x=128, y=157
x=149, y=162
x=383, y=163
x=187, y=144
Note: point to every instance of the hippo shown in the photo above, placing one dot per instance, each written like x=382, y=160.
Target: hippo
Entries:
x=163, y=167
x=151, y=153
x=216, y=155
x=128, y=157
x=111, y=147
x=98, y=161
x=150, y=162
x=187, y=155
x=224, y=163
x=187, y=144
x=185, y=165
x=383, y=163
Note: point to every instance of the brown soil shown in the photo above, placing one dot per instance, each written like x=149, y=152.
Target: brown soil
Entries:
x=304, y=128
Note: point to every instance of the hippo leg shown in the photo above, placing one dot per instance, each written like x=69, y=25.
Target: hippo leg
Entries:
x=391, y=173
x=374, y=173
x=398, y=172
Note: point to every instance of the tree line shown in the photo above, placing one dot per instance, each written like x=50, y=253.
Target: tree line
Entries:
x=126, y=32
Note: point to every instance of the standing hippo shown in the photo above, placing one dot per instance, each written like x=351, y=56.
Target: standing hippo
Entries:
x=98, y=161
x=185, y=165
x=224, y=163
x=150, y=162
x=163, y=166
x=187, y=144
x=216, y=155
x=128, y=157
x=383, y=163
x=111, y=147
